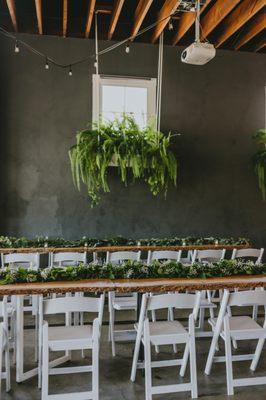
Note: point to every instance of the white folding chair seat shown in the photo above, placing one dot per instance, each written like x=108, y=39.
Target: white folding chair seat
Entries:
x=167, y=332
x=238, y=323
x=69, y=337
x=121, y=302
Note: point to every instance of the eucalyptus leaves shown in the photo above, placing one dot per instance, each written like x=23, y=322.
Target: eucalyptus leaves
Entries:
x=87, y=241
x=139, y=154
x=131, y=270
x=259, y=160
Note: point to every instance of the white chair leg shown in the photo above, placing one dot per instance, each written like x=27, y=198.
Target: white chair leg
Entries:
x=184, y=361
x=7, y=368
x=1, y=361
x=95, y=362
x=228, y=358
x=112, y=328
x=135, y=356
x=45, y=363
x=192, y=359
x=229, y=312
x=147, y=362
x=257, y=354
x=36, y=353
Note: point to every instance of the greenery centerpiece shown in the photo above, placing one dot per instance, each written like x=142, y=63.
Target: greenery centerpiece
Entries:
x=140, y=153
x=259, y=160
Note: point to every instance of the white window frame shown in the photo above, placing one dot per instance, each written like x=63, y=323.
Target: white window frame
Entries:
x=99, y=80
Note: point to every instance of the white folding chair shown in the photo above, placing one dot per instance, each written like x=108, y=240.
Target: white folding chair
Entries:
x=167, y=333
x=120, y=303
x=254, y=255
x=4, y=345
x=28, y=261
x=165, y=255
x=207, y=300
x=243, y=328
x=68, y=258
x=68, y=338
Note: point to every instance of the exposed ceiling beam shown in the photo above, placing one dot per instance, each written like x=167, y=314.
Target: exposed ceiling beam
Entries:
x=89, y=17
x=238, y=17
x=215, y=15
x=38, y=7
x=256, y=27
x=65, y=11
x=12, y=11
x=261, y=45
x=115, y=15
x=141, y=11
x=185, y=23
x=167, y=9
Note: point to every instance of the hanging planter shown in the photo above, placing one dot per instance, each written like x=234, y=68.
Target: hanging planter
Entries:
x=138, y=153
x=259, y=160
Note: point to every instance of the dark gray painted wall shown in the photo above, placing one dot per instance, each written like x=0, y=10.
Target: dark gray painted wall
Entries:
x=216, y=107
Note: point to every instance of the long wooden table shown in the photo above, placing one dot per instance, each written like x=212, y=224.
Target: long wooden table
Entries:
x=122, y=286
x=88, y=249
x=134, y=285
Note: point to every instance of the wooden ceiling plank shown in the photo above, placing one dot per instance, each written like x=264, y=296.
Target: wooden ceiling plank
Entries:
x=38, y=7
x=238, y=18
x=185, y=23
x=167, y=9
x=12, y=11
x=115, y=16
x=89, y=17
x=141, y=12
x=65, y=15
x=257, y=26
x=215, y=15
x=260, y=46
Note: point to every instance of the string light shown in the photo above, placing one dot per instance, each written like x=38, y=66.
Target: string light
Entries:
x=170, y=25
x=46, y=64
x=16, y=47
x=95, y=63
x=127, y=49
x=70, y=73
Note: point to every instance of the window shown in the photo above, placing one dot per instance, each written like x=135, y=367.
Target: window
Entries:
x=115, y=96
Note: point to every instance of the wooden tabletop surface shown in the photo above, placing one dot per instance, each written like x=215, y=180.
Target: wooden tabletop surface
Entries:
x=118, y=248
x=135, y=285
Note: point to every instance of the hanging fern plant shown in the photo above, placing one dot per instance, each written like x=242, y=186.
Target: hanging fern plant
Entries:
x=260, y=161
x=138, y=153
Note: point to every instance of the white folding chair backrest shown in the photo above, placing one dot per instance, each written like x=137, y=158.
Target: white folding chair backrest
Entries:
x=248, y=253
x=247, y=298
x=62, y=305
x=119, y=256
x=210, y=255
x=190, y=258
x=26, y=260
x=164, y=255
x=174, y=300
x=68, y=258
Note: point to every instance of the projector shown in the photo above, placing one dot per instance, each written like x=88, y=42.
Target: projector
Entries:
x=198, y=53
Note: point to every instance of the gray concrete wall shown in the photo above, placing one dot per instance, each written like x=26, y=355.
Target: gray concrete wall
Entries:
x=217, y=108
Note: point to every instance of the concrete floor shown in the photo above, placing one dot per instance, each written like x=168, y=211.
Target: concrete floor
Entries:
x=115, y=373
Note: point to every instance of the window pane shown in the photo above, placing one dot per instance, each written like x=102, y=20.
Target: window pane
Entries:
x=136, y=100
x=113, y=98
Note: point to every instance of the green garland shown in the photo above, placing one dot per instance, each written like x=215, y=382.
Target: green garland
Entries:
x=138, y=153
x=44, y=241
x=132, y=270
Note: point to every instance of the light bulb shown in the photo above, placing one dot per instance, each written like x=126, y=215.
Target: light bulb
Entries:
x=46, y=65
x=70, y=72
x=127, y=49
x=16, y=47
x=170, y=26
x=95, y=63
